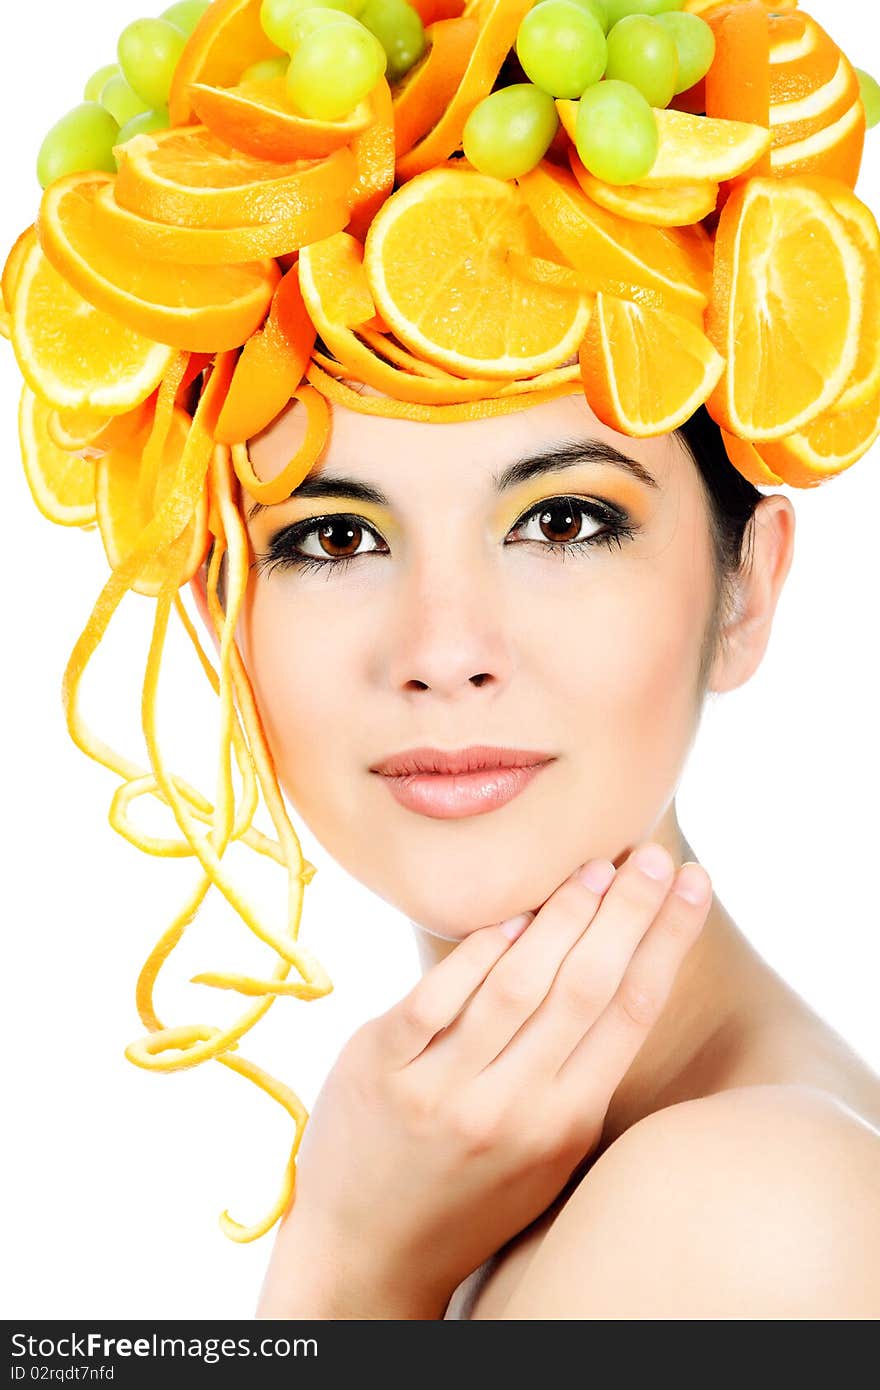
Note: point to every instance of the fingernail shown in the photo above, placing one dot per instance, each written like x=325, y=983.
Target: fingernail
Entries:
x=653, y=861
x=691, y=884
x=514, y=926
x=597, y=874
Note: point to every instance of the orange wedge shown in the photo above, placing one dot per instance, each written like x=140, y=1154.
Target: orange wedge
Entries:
x=198, y=308
x=339, y=300
x=162, y=241
x=691, y=147
x=747, y=461
x=680, y=206
x=74, y=356
x=62, y=484
x=126, y=503
x=614, y=249
x=227, y=39
x=645, y=371
x=190, y=178
x=270, y=368
x=781, y=248
x=826, y=446
x=427, y=89
x=257, y=118
x=499, y=21
x=439, y=242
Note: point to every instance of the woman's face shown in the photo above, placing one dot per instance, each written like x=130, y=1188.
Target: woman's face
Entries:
x=475, y=610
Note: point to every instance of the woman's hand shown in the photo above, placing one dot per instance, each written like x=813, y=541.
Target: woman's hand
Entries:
x=450, y=1122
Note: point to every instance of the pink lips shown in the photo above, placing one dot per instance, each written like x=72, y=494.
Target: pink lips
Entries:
x=465, y=782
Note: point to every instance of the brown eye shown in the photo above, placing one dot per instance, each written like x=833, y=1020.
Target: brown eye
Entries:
x=560, y=522
x=339, y=538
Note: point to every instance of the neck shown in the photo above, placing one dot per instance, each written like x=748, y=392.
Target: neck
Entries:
x=712, y=1000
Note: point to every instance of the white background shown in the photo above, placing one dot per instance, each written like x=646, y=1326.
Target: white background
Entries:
x=114, y=1177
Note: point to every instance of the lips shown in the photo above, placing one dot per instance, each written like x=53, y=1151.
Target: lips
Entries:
x=465, y=782
x=476, y=758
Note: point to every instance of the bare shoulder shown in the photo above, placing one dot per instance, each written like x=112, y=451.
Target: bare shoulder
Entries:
x=757, y=1202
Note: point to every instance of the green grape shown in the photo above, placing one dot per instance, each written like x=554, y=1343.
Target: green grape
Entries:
x=315, y=17
x=616, y=132
x=98, y=81
x=149, y=51
x=619, y=9
x=144, y=124
x=695, y=42
x=333, y=69
x=561, y=48
x=122, y=101
x=597, y=8
x=399, y=29
x=186, y=14
x=265, y=70
x=279, y=17
x=81, y=141
x=508, y=132
x=870, y=90
x=642, y=51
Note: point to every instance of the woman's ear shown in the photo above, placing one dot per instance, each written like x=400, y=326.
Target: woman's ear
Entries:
x=199, y=590
x=746, y=632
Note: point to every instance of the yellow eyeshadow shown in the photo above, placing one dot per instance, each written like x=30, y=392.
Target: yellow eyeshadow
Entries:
x=604, y=485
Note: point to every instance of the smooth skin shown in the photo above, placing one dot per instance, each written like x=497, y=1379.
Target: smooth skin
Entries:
x=450, y=628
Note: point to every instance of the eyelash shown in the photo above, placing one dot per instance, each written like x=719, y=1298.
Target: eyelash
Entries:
x=281, y=554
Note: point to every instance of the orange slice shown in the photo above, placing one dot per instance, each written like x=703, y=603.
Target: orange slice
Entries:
x=373, y=152
x=126, y=503
x=190, y=178
x=74, y=356
x=862, y=227
x=427, y=89
x=680, y=206
x=835, y=151
x=798, y=120
x=434, y=261
x=645, y=371
x=747, y=461
x=14, y=262
x=198, y=308
x=270, y=368
x=499, y=21
x=691, y=147
x=62, y=484
x=227, y=39
x=338, y=298
x=615, y=249
x=738, y=82
x=92, y=432
x=780, y=249
x=257, y=118
x=162, y=241
x=826, y=446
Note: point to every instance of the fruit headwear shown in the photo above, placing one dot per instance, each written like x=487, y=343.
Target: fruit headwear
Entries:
x=648, y=202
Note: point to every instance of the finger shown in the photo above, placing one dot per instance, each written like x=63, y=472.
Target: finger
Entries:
x=515, y=987
x=601, y=1060
x=404, y=1030
x=591, y=972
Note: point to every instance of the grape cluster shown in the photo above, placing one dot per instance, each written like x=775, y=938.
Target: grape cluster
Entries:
x=339, y=49
x=122, y=99
x=617, y=58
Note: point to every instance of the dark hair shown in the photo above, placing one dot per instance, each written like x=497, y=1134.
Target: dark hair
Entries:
x=731, y=501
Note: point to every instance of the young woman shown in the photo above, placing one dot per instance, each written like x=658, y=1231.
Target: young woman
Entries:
x=542, y=583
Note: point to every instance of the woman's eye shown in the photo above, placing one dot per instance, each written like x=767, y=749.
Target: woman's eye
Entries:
x=561, y=522
x=327, y=540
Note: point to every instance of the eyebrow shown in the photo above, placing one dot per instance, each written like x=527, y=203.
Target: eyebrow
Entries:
x=566, y=454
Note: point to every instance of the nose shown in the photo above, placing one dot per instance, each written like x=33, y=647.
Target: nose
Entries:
x=450, y=631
